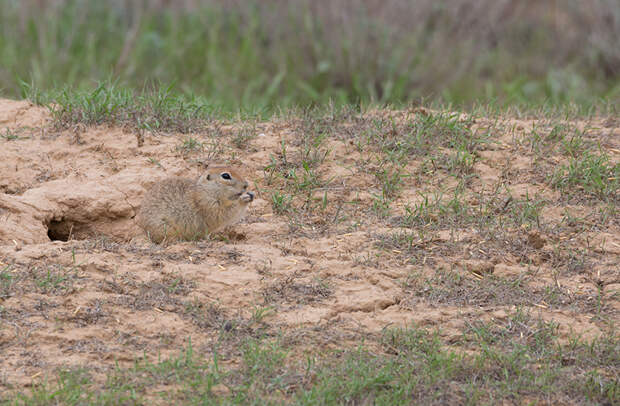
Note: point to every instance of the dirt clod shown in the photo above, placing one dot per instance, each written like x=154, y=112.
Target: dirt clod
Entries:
x=536, y=240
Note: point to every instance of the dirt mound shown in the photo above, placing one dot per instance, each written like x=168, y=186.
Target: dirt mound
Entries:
x=74, y=184
x=341, y=247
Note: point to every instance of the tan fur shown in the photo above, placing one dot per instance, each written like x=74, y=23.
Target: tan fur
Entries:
x=185, y=209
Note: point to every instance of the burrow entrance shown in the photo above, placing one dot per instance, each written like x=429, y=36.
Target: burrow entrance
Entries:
x=65, y=230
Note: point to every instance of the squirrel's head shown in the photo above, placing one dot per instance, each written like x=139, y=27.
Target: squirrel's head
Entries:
x=227, y=182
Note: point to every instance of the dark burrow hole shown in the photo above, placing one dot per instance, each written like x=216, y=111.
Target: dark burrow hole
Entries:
x=63, y=230
x=67, y=229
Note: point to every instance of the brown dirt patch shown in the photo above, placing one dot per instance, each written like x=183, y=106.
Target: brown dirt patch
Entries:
x=359, y=246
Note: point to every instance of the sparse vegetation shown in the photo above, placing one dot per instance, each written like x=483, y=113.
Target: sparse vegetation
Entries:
x=411, y=181
x=592, y=175
x=516, y=359
x=7, y=280
x=9, y=135
x=159, y=109
x=189, y=145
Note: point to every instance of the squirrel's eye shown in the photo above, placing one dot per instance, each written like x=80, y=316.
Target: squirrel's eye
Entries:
x=226, y=175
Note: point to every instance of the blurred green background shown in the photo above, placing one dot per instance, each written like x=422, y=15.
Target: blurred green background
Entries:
x=262, y=55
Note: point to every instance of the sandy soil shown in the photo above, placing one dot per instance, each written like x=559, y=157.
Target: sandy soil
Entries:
x=327, y=278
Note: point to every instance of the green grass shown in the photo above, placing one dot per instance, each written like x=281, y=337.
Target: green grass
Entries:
x=295, y=168
x=514, y=360
x=55, y=279
x=261, y=57
x=190, y=144
x=589, y=175
x=158, y=109
x=280, y=202
x=419, y=135
x=7, y=281
x=244, y=135
x=9, y=135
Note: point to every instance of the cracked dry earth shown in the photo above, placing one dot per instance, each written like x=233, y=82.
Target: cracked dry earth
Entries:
x=330, y=268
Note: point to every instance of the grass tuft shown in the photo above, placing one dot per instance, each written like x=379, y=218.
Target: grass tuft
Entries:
x=152, y=110
x=590, y=175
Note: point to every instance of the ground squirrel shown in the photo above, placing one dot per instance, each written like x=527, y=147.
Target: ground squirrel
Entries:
x=184, y=209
